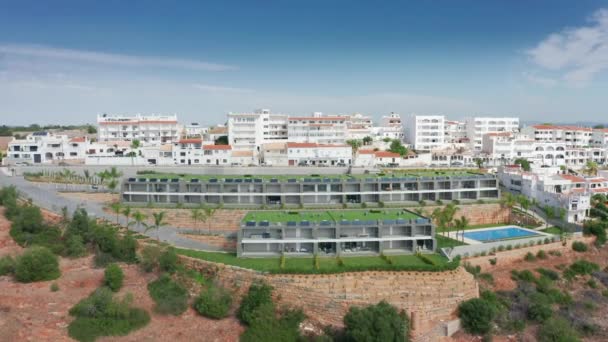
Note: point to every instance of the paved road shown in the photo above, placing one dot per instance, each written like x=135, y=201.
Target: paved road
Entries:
x=46, y=196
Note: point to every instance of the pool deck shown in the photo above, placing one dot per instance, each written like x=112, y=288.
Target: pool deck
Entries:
x=458, y=235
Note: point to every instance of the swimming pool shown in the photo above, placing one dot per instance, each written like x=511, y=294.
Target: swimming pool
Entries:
x=504, y=233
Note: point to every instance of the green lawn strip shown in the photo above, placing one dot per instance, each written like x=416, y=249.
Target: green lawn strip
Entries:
x=305, y=265
x=552, y=230
x=443, y=242
x=332, y=216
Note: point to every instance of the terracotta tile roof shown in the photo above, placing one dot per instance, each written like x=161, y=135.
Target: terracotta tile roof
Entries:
x=573, y=178
x=190, y=141
x=386, y=154
x=217, y=147
x=367, y=151
x=598, y=180
x=78, y=139
x=312, y=118
x=137, y=122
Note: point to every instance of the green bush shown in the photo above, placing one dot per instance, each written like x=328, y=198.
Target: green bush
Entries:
x=265, y=326
x=557, y=330
x=7, y=265
x=529, y=257
x=37, y=264
x=376, y=323
x=539, y=312
x=258, y=295
x=74, y=246
x=541, y=254
x=578, y=246
x=493, y=261
x=168, y=261
x=113, y=277
x=583, y=267
x=213, y=302
x=169, y=296
x=54, y=287
x=149, y=258
x=551, y=274
x=598, y=229
x=101, y=315
x=476, y=316
x=592, y=284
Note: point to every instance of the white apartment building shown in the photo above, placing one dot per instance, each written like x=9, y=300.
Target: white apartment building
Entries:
x=45, y=147
x=371, y=158
x=188, y=151
x=570, y=135
x=359, y=126
x=599, y=138
x=455, y=132
x=390, y=127
x=550, y=186
x=193, y=129
x=299, y=154
x=478, y=126
x=317, y=129
x=425, y=132
x=249, y=131
x=507, y=146
x=274, y=154
x=154, y=129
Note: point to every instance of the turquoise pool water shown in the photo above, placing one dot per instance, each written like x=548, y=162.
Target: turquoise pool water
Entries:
x=505, y=233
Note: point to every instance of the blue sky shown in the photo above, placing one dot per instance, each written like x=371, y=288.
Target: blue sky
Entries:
x=66, y=61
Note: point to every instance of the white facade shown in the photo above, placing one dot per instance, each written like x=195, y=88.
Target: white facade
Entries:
x=550, y=187
x=359, y=126
x=45, y=147
x=425, y=132
x=248, y=131
x=478, y=126
x=150, y=128
x=318, y=129
x=507, y=146
x=599, y=138
x=390, y=127
x=569, y=135
x=274, y=154
x=455, y=132
x=318, y=154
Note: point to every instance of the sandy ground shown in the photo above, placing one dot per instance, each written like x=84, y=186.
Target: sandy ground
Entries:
x=97, y=197
x=32, y=312
x=578, y=289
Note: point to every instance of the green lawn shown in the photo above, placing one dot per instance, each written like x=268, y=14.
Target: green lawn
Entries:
x=552, y=230
x=443, y=242
x=333, y=216
x=326, y=264
x=396, y=174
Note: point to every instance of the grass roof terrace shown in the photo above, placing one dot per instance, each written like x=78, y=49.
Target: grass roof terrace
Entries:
x=396, y=174
x=332, y=216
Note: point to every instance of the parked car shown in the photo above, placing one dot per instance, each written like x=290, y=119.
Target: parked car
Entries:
x=22, y=164
x=341, y=164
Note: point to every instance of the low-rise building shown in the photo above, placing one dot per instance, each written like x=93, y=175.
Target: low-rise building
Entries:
x=146, y=128
x=303, y=154
x=45, y=147
x=477, y=127
x=334, y=233
x=571, y=136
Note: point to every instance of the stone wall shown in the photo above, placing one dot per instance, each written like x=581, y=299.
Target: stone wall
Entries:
x=490, y=213
x=429, y=298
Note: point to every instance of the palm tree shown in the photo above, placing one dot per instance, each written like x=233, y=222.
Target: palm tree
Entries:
x=112, y=184
x=139, y=217
x=116, y=208
x=479, y=162
x=159, y=220
x=448, y=212
x=114, y=173
x=208, y=213
x=438, y=216
x=197, y=215
x=367, y=140
x=354, y=144
x=126, y=211
x=461, y=224
x=591, y=168
x=103, y=175
x=508, y=201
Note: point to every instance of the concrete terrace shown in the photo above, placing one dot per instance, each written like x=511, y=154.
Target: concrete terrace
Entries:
x=331, y=216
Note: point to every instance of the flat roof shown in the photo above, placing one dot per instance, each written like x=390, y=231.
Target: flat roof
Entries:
x=283, y=216
x=394, y=174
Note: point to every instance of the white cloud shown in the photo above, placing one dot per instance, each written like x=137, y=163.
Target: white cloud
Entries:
x=578, y=54
x=47, y=52
x=540, y=80
x=220, y=89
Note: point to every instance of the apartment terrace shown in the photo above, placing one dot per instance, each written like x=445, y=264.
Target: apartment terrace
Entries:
x=331, y=233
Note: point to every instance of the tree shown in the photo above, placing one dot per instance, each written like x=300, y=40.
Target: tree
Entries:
x=87, y=174
x=135, y=144
x=591, y=168
x=91, y=129
x=438, y=216
x=222, y=140
x=197, y=215
x=139, y=217
x=355, y=144
x=367, y=140
x=126, y=211
x=599, y=126
x=397, y=147
x=208, y=214
x=116, y=208
x=113, y=277
x=476, y=315
x=159, y=220
x=478, y=162
x=508, y=201
x=258, y=295
x=448, y=212
x=170, y=296
x=37, y=264
x=524, y=163
x=376, y=323
x=461, y=224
